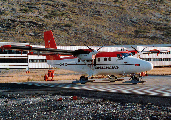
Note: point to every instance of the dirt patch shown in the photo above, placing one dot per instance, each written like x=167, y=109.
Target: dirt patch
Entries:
x=8, y=76
x=160, y=71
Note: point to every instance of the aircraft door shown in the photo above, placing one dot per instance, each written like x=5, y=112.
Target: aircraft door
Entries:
x=95, y=61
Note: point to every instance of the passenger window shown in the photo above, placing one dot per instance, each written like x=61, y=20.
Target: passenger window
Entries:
x=78, y=60
x=105, y=59
x=98, y=59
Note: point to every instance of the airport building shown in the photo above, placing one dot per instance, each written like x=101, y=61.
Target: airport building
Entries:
x=11, y=59
x=158, y=60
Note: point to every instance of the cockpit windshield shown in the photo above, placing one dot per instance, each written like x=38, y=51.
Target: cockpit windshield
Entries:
x=126, y=54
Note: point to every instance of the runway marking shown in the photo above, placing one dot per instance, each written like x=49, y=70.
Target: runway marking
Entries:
x=138, y=92
x=112, y=90
x=166, y=94
x=141, y=90
x=125, y=91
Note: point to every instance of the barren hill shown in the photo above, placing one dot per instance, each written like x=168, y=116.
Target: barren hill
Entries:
x=99, y=22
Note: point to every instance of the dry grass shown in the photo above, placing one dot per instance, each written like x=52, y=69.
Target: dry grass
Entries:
x=35, y=75
x=9, y=76
x=160, y=71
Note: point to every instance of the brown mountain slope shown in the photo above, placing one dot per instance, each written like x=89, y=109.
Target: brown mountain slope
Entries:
x=98, y=22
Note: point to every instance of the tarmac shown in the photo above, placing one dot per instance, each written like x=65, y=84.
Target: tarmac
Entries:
x=153, y=86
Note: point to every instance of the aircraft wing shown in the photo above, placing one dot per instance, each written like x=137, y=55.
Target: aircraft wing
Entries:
x=44, y=51
x=155, y=51
x=148, y=52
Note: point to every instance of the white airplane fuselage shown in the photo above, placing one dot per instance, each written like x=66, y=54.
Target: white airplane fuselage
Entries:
x=104, y=65
x=93, y=62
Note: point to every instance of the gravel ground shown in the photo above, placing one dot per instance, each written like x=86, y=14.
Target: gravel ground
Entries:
x=52, y=107
x=28, y=102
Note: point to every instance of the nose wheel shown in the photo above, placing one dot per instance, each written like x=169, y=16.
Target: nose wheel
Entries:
x=135, y=80
x=83, y=79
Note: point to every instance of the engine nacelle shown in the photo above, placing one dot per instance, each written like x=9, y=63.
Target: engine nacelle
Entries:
x=89, y=56
x=85, y=56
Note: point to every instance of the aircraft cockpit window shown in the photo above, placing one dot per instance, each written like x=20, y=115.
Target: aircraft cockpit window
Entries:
x=130, y=54
x=126, y=54
x=118, y=55
x=133, y=53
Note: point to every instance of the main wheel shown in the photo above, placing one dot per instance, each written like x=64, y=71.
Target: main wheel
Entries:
x=83, y=79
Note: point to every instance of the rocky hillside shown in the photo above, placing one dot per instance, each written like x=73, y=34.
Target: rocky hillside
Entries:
x=99, y=22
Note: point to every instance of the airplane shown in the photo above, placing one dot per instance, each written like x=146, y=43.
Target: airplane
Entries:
x=154, y=51
x=88, y=61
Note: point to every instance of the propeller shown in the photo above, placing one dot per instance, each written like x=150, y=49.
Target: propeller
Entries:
x=94, y=51
x=143, y=49
x=100, y=47
x=137, y=50
x=89, y=48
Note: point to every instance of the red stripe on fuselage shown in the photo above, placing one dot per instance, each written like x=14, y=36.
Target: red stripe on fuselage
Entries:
x=69, y=57
x=100, y=54
x=59, y=57
x=110, y=54
x=53, y=57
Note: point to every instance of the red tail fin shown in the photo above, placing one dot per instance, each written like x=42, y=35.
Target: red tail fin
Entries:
x=49, y=40
x=50, y=43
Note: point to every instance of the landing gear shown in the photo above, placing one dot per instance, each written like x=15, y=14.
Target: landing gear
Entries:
x=134, y=80
x=113, y=78
x=82, y=80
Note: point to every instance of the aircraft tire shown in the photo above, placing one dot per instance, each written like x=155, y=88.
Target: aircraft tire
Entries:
x=83, y=79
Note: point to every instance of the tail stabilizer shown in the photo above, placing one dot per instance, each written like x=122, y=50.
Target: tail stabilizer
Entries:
x=50, y=43
x=49, y=40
